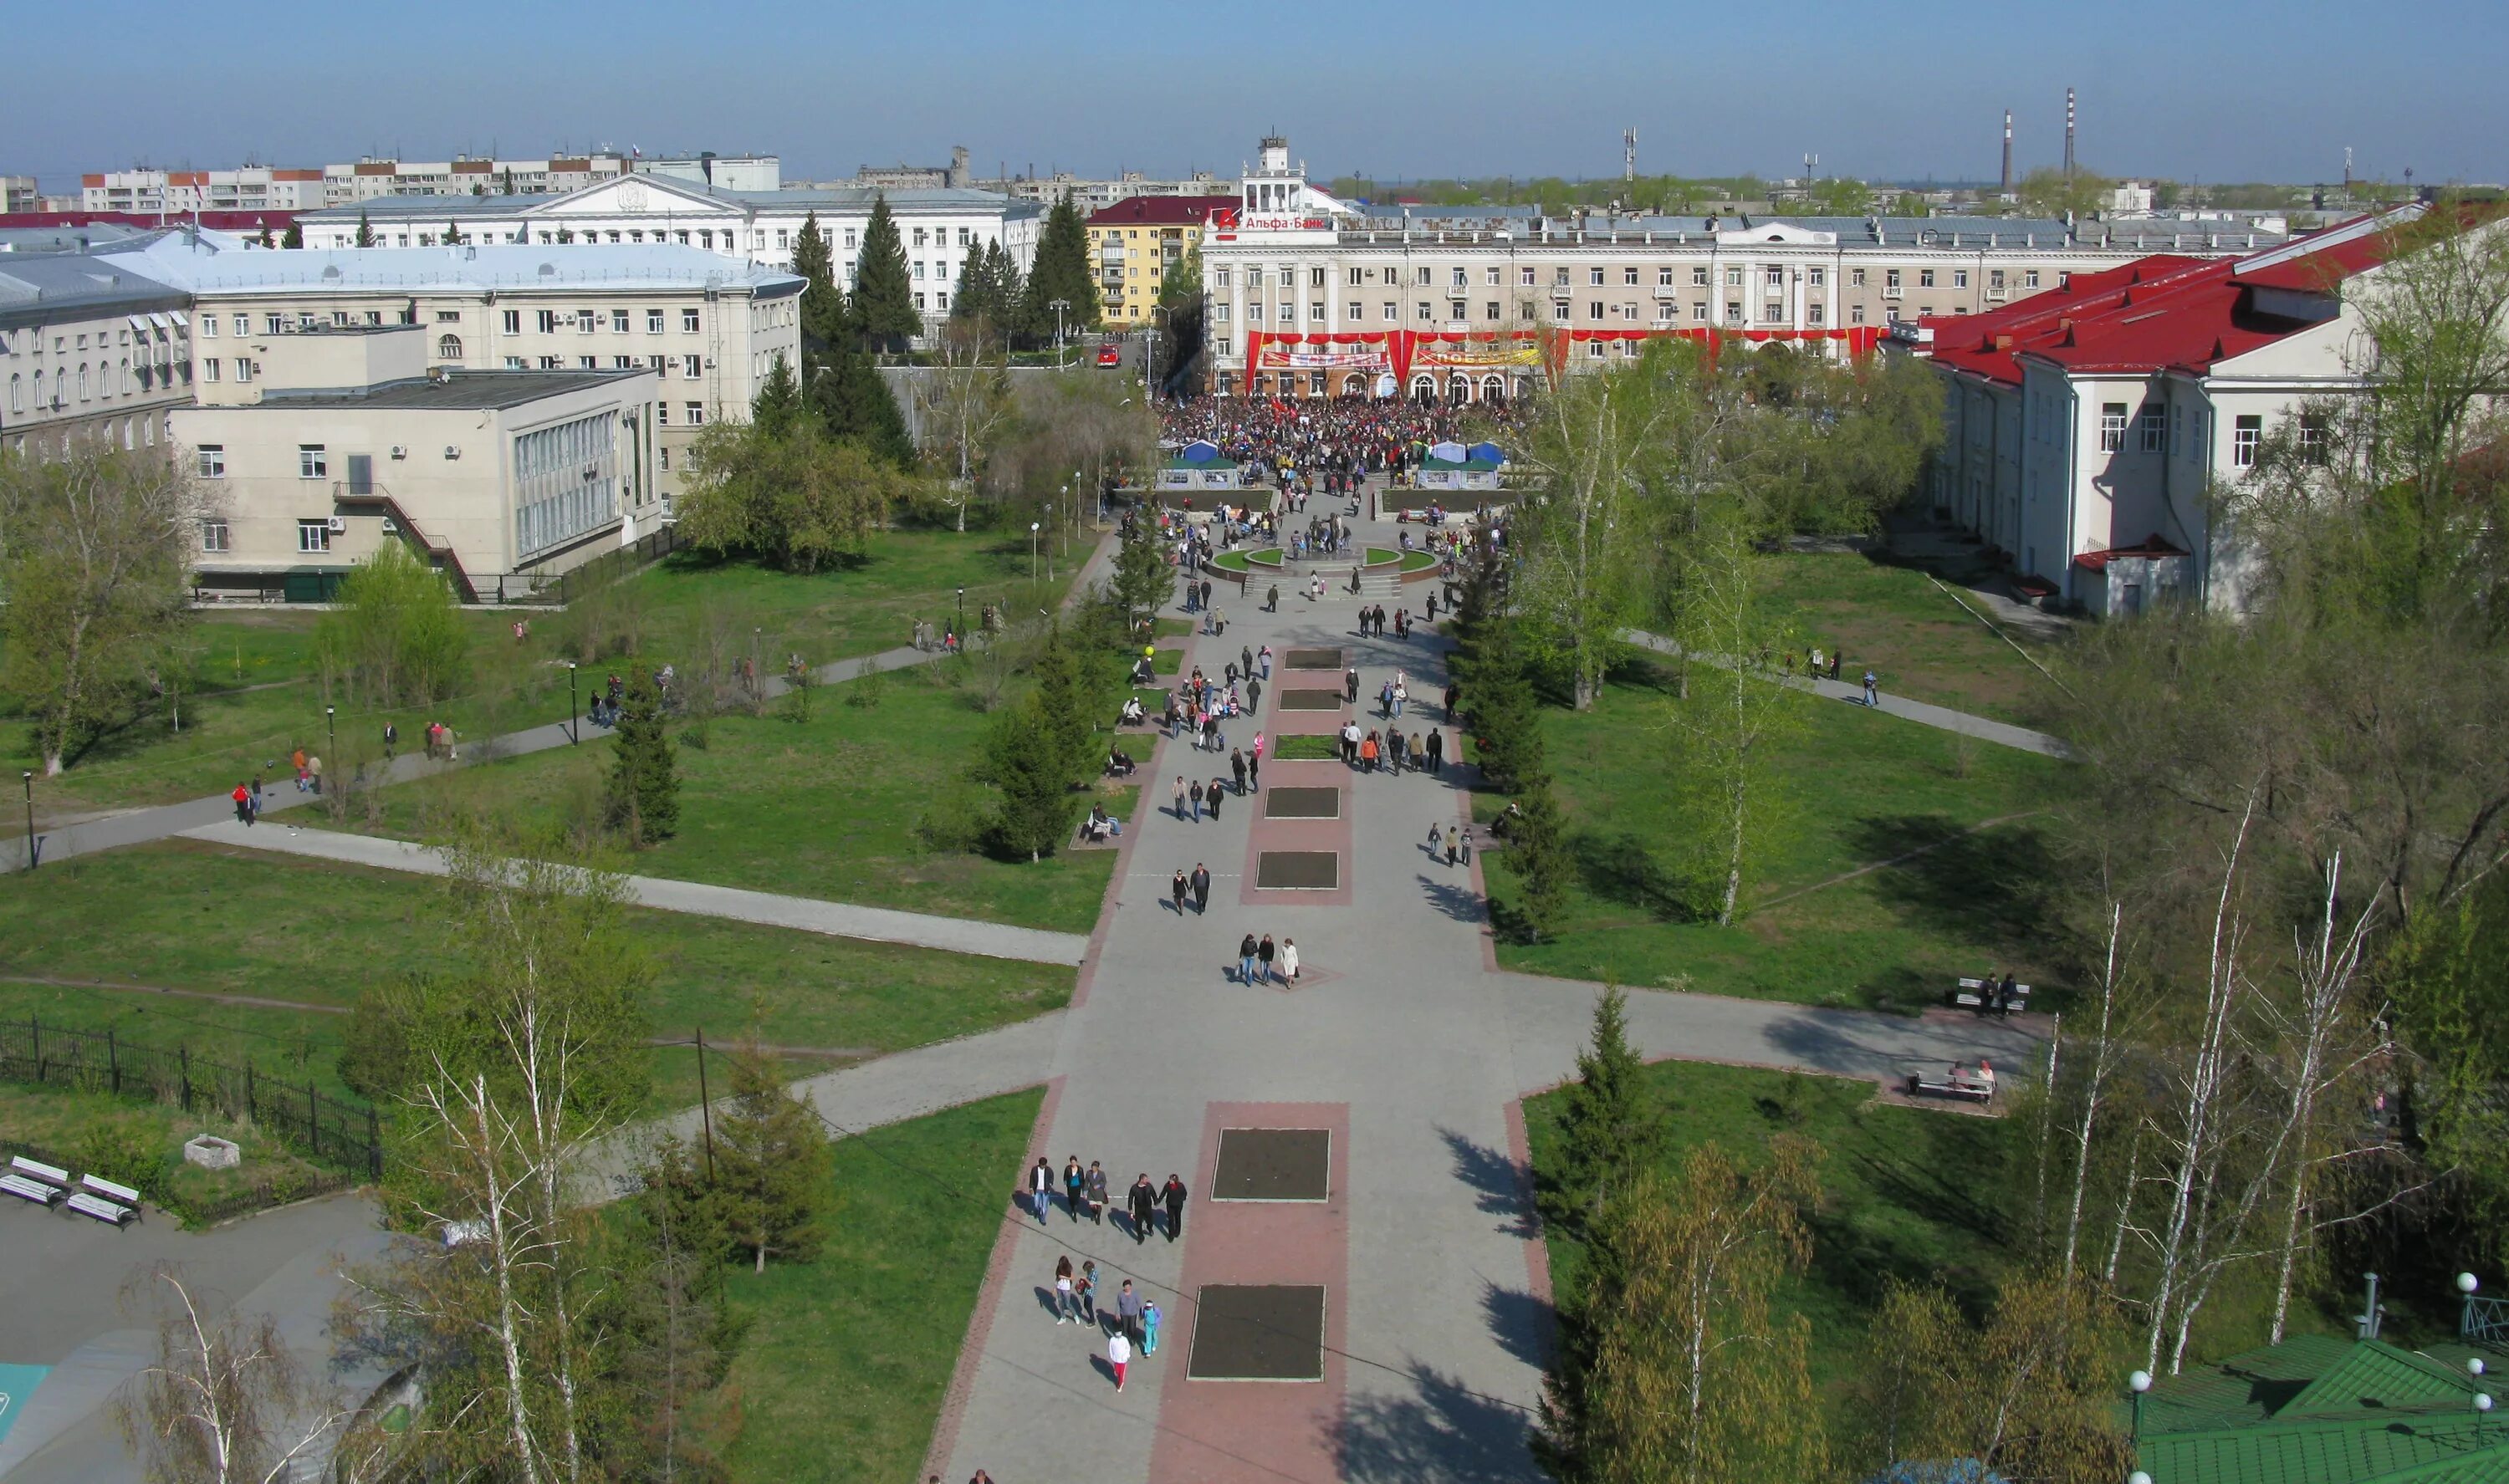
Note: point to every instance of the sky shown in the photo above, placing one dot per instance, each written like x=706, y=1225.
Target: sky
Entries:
x=2201, y=90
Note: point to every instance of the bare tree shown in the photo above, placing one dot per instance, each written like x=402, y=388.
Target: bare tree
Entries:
x=223, y=1401
x=2110, y=1038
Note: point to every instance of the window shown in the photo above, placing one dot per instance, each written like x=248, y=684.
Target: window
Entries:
x=1855, y=278
x=1776, y=277
x=514, y=363
x=1490, y=277
x=1732, y=277
x=2156, y=427
x=661, y=414
x=1354, y=309
x=313, y=536
x=1595, y=308
x=1890, y=283
x=1815, y=313
x=1423, y=311
x=208, y=328
x=210, y=366
x=586, y=322
x=1559, y=311
x=212, y=459
x=1777, y=311
x=588, y=362
x=1524, y=276
x=448, y=347
x=213, y=535
x=1393, y=312
x=623, y=363
x=552, y=363
x=619, y=321
x=244, y=369
x=2030, y=278
x=696, y=413
x=1316, y=311
x=514, y=322
x=442, y=316
x=1817, y=276
x=653, y=321
x=1220, y=313
x=311, y=462
x=1995, y=280
x=1733, y=312
x=243, y=328
x=1289, y=278
x=1960, y=277
x=692, y=366
x=2312, y=438
x=1219, y=278
x=1856, y=313
x=1629, y=277
x=689, y=321
x=2112, y=427
x=1593, y=278
x=1698, y=275
x=1288, y=313
x=1925, y=278
x=271, y=324
x=547, y=320
x=1454, y=309
x=966, y=239
x=660, y=365
x=2246, y=434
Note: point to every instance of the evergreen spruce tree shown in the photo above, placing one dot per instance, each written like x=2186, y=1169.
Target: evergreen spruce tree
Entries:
x=1004, y=288
x=772, y=1172
x=644, y=794
x=779, y=403
x=1143, y=577
x=1505, y=720
x=883, y=305
x=853, y=400
x=1061, y=272
x=1026, y=761
x=365, y=231
x=453, y=236
x=265, y=240
x=823, y=299
x=1611, y=1124
x=971, y=301
x=1063, y=706
x=294, y=236
x=1540, y=858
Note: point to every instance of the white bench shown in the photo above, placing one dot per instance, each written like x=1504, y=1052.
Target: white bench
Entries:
x=1961, y=1082
x=105, y=1201
x=33, y=1180
x=1983, y=995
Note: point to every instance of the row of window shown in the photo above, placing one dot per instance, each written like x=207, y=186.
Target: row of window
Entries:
x=1667, y=311
x=1774, y=275
x=112, y=379
x=549, y=321
x=2158, y=430
x=30, y=342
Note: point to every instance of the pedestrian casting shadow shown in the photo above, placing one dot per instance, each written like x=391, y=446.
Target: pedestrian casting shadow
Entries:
x=1105, y=1367
x=1045, y=1298
x=1459, y=903
x=1498, y=1183
x=1446, y=1432
x=1523, y=1321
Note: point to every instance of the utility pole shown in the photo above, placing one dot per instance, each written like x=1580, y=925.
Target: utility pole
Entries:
x=2005, y=190
x=1630, y=158
x=1059, y=306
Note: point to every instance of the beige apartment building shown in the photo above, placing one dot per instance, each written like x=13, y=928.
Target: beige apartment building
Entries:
x=707, y=328
x=88, y=349
x=339, y=438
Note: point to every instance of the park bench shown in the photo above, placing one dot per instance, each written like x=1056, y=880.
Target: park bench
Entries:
x=1980, y=995
x=111, y=1204
x=31, y=1180
x=1963, y=1083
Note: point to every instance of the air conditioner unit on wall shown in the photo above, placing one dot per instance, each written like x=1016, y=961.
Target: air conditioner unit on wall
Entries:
x=338, y=524
x=401, y=450
x=452, y=451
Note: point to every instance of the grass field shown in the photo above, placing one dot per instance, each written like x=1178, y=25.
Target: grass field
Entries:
x=848, y=1359
x=259, y=694
x=63, y=1123
x=825, y=808
x=1894, y=622
x=222, y=923
x=1865, y=788
x=1907, y=1193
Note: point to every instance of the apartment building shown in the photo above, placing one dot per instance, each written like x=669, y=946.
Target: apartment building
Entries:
x=21, y=193
x=374, y=178
x=1091, y=195
x=2088, y=430
x=89, y=348
x=181, y=193
x=1136, y=241
x=940, y=227
x=347, y=436
x=709, y=332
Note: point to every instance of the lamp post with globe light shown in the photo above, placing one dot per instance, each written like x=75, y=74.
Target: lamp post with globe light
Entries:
x=1032, y=553
x=2137, y=1384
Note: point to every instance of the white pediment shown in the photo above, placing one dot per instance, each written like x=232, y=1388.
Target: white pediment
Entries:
x=1780, y=234
x=634, y=196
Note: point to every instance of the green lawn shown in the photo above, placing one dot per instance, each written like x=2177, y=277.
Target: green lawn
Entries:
x=1866, y=788
x=1911, y=634
x=62, y=1124
x=826, y=809
x=847, y=1359
x=1911, y=1193
x=185, y=915
x=1305, y=747
x=260, y=695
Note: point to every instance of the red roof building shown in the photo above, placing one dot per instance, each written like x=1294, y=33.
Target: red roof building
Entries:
x=1136, y=241
x=2087, y=427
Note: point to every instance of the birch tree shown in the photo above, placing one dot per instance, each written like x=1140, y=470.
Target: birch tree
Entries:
x=222, y=1399
x=1583, y=534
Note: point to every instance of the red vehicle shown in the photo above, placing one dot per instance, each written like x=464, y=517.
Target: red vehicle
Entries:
x=1111, y=351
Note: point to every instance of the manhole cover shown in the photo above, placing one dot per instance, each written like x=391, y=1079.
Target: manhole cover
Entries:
x=1259, y=1333
x=1310, y=700
x=1298, y=871
x=1312, y=659
x=1302, y=804
x=1273, y=1164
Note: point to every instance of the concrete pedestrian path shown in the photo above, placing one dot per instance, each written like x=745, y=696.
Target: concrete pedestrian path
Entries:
x=1941, y=718
x=836, y=919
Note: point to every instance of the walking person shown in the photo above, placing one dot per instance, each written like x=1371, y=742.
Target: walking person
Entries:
x=1097, y=1188
x=1290, y=961
x=1084, y=1287
x=1179, y=796
x=1176, y=890
x=1237, y=766
x=1128, y=1308
x=1437, y=752
x=1073, y=1181
x=1120, y=1354
x=1040, y=1187
x=1173, y=1193
x=1264, y=955
x=1872, y=690
x=313, y=770
x=1246, y=959
x=1254, y=763
x=1253, y=695
x=1067, y=1306
x=1212, y=796
x=1138, y=1203
x=392, y=739
x=1195, y=792
x=1149, y=1328
x=243, y=804
x=1265, y=655
x=1201, y=889
x=1350, y=686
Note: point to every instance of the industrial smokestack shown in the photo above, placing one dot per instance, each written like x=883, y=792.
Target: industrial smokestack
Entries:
x=2008, y=153
x=2068, y=135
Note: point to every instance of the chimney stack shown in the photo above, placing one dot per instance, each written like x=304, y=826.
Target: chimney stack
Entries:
x=2069, y=136
x=2008, y=153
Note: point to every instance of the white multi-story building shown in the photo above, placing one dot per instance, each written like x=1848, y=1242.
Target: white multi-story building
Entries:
x=179, y=193
x=21, y=193
x=374, y=179
x=709, y=330
x=2087, y=430
x=1311, y=296
x=89, y=348
x=939, y=227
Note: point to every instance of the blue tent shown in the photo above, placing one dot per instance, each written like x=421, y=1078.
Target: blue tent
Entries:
x=1200, y=451
x=1485, y=453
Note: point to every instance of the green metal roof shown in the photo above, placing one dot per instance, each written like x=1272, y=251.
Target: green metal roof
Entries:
x=2318, y=1410
x=2380, y=1377
x=2357, y=1450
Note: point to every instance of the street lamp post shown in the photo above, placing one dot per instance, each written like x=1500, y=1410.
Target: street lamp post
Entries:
x=573, y=709
x=30, y=819
x=962, y=615
x=2137, y=1384
x=331, y=730
x=1059, y=306
x=1032, y=553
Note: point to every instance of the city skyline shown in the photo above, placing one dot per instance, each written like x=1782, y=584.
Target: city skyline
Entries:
x=2236, y=93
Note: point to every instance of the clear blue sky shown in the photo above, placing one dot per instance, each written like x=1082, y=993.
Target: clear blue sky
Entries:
x=2216, y=89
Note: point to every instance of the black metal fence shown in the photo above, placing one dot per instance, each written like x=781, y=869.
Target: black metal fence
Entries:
x=328, y=1131
x=611, y=566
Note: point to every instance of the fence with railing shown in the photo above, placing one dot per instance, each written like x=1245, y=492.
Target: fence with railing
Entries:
x=326, y=1129
x=605, y=568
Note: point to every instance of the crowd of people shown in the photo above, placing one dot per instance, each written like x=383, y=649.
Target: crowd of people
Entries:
x=1132, y=1326
x=1320, y=444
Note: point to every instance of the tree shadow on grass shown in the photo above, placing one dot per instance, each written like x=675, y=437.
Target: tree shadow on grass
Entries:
x=1619, y=867
x=1949, y=1179
x=1444, y=1432
x=1996, y=888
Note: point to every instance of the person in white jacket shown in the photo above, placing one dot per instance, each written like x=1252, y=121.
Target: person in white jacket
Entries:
x=1288, y=959
x=1119, y=1354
